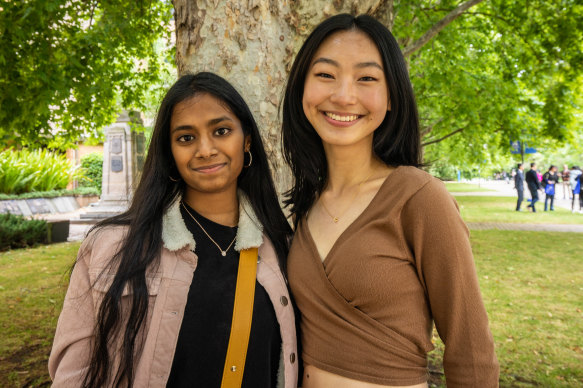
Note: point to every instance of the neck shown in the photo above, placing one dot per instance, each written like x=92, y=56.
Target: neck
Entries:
x=349, y=165
x=221, y=207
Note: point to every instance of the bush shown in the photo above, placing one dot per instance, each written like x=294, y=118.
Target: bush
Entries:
x=92, y=165
x=39, y=170
x=52, y=193
x=18, y=232
x=443, y=171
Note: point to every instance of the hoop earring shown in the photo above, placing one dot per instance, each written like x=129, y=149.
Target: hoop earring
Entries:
x=250, y=159
x=173, y=179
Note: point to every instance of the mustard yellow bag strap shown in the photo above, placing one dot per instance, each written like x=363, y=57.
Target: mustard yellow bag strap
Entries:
x=242, y=316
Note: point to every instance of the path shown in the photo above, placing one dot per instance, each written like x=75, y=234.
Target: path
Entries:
x=526, y=227
x=503, y=189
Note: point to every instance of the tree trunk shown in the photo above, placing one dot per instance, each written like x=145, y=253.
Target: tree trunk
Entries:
x=252, y=44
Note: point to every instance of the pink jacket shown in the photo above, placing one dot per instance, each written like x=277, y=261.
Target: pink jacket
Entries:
x=168, y=287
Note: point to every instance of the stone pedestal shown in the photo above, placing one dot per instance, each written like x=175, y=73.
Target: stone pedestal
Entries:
x=123, y=159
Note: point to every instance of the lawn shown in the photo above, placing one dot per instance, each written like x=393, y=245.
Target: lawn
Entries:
x=533, y=298
x=501, y=209
x=532, y=294
x=32, y=287
x=455, y=187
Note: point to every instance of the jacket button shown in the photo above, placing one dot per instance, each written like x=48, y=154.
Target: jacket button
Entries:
x=292, y=358
x=283, y=300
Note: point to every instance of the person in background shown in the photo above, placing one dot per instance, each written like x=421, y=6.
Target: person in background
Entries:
x=519, y=185
x=575, y=179
x=550, y=180
x=565, y=179
x=533, y=184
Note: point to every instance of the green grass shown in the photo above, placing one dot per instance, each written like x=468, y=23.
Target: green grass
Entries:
x=531, y=283
x=32, y=288
x=501, y=209
x=454, y=187
x=533, y=298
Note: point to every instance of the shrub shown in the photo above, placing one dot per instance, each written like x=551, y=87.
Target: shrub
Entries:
x=39, y=170
x=443, y=171
x=52, y=193
x=92, y=165
x=18, y=232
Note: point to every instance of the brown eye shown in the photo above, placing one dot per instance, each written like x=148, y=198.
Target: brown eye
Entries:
x=185, y=138
x=222, y=131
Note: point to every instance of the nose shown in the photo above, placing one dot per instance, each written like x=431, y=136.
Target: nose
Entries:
x=344, y=92
x=205, y=148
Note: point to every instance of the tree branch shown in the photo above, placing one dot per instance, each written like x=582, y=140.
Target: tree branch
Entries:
x=444, y=137
x=426, y=130
x=440, y=25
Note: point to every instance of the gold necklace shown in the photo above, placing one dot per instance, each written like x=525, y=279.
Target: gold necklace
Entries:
x=337, y=218
x=223, y=252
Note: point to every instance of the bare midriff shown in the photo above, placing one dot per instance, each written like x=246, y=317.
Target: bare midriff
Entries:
x=318, y=378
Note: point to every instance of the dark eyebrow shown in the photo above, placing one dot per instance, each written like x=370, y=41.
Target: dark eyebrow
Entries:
x=369, y=64
x=326, y=60
x=358, y=65
x=209, y=123
x=218, y=120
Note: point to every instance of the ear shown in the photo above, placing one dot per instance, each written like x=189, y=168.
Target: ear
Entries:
x=247, y=143
x=389, y=106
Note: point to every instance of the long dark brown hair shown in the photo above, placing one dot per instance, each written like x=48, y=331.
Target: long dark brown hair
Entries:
x=141, y=248
x=396, y=141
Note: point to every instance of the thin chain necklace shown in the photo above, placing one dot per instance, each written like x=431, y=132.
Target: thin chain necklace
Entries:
x=223, y=252
x=337, y=218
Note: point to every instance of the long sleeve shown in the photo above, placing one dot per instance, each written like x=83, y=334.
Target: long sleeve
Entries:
x=439, y=241
x=70, y=354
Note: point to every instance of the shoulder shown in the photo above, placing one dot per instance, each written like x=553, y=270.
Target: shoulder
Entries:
x=424, y=197
x=419, y=184
x=101, y=244
x=267, y=253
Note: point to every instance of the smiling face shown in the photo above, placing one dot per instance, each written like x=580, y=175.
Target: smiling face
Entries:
x=208, y=144
x=345, y=91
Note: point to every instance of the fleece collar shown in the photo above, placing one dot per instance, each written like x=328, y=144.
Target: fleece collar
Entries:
x=175, y=234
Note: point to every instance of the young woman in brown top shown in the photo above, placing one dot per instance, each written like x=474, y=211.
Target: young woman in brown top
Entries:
x=380, y=252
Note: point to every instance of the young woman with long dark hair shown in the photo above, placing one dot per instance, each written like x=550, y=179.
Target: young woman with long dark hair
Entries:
x=151, y=297
x=380, y=252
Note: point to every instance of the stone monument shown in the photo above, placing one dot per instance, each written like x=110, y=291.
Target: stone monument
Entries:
x=123, y=159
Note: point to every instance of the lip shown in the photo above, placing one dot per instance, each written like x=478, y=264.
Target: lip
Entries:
x=211, y=168
x=340, y=123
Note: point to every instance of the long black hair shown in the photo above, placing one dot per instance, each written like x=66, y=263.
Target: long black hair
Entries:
x=141, y=248
x=396, y=141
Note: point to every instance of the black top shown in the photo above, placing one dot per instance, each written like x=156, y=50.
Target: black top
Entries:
x=550, y=177
x=204, y=335
x=532, y=180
